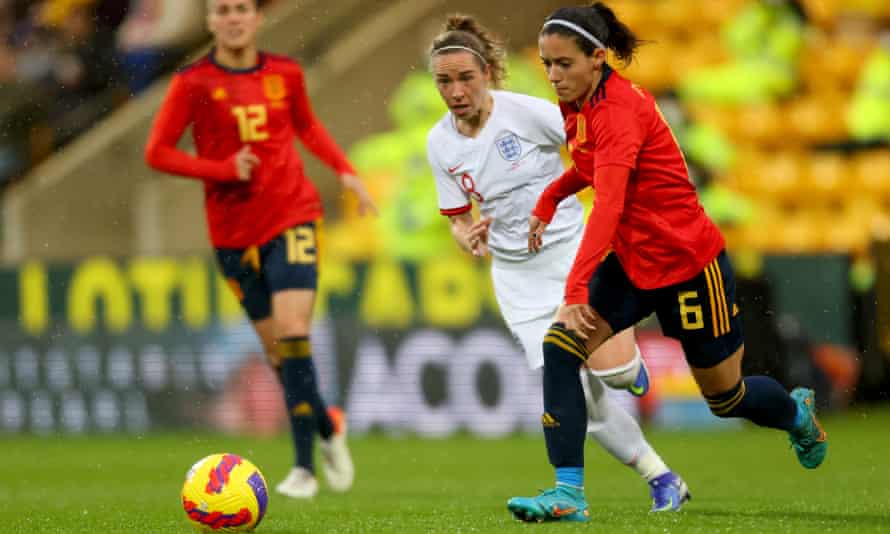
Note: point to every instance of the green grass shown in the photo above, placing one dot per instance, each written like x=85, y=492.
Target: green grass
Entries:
x=742, y=481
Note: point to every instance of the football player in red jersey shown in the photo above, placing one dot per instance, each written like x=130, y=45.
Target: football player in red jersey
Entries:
x=668, y=256
x=246, y=107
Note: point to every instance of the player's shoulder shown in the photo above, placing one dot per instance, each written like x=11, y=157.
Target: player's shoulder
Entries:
x=281, y=61
x=441, y=131
x=195, y=68
x=620, y=91
x=282, y=65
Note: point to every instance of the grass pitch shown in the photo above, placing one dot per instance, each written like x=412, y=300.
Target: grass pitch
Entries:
x=741, y=481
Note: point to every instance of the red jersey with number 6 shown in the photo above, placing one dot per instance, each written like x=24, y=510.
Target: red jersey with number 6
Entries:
x=265, y=107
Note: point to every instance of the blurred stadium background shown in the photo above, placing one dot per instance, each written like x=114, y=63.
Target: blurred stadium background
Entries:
x=114, y=321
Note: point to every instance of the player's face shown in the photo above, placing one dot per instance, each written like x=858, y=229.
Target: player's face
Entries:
x=462, y=83
x=233, y=23
x=569, y=69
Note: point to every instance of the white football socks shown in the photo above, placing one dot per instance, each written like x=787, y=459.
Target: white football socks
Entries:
x=621, y=377
x=617, y=431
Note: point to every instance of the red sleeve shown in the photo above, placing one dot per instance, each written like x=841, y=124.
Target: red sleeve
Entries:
x=611, y=185
x=313, y=133
x=618, y=135
x=175, y=115
x=566, y=185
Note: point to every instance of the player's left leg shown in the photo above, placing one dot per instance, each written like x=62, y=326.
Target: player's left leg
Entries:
x=291, y=271
x=618, y=432
x=702, y=313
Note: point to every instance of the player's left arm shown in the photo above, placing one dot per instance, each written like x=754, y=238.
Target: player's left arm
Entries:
x=316, y=138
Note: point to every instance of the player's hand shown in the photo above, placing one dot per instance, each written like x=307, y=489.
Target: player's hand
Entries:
x=245, y=161
x=477, y=237
x=366, y=204
x=580, y=319
x=536, y=229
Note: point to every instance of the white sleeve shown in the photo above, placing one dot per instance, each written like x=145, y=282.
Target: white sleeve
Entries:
x=452, y=199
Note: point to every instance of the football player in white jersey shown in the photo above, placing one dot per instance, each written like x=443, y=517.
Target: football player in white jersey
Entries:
x=502, y=149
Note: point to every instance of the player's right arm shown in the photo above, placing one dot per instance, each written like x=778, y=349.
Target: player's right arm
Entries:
x=174, y=116
x=470, y=234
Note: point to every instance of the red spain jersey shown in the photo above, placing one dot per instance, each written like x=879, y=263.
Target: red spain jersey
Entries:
x=265, y=107
x=646, y=208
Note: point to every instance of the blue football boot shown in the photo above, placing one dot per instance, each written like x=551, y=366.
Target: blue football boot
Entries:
x=562, y=503
x=808, y=439
x=669, y=492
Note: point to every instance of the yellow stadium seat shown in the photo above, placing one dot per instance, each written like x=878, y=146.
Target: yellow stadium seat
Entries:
x=724, y=118
x=762, y=124
x=800, y=233
x=825, y=177
x=821, y=12
x=779, y=176
x=718, y=13
x=871, y=172
x=815, y=118
x=652, y=66
x=638, y=15
x=680, y=16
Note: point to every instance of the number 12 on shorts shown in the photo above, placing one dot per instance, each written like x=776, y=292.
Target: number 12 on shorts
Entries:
x=300, y=245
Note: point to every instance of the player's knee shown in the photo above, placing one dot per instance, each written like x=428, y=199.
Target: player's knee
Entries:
x=727, y=404
x=293, y=347
x=560, y=345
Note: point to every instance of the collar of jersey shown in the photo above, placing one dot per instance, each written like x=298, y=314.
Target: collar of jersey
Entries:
x=261, y=61
x=600, y=92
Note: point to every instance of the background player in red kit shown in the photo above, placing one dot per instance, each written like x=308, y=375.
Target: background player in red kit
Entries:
x=668, y=258
x=245, y=108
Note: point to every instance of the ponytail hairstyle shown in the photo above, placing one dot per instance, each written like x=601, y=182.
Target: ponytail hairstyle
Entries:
x=462, y=33
x=601, y=26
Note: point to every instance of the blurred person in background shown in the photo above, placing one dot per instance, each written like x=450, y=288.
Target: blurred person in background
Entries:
x=84, y=64
x=246, y=107
x=667, y=258
x=154, y=35
x=502, y=149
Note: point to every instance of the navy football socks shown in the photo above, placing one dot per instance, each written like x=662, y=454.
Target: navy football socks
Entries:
x=759, y=399
x=565, y=412
x=306, y=409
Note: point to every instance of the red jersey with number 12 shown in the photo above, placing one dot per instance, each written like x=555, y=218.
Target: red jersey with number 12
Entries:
x=662, y=236
x=265, y=107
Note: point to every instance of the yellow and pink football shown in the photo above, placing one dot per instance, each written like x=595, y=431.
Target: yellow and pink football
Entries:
x=225, y=493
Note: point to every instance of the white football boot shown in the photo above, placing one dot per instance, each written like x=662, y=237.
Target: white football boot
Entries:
x=339, y=470
x=299, y=484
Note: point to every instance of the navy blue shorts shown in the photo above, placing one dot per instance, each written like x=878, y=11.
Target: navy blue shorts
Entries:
x=701, y=313
x=290, y=261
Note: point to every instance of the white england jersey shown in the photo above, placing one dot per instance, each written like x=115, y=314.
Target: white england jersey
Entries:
x=505, y=169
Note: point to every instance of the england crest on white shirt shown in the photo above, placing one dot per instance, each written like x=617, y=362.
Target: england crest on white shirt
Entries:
x=509, y=147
